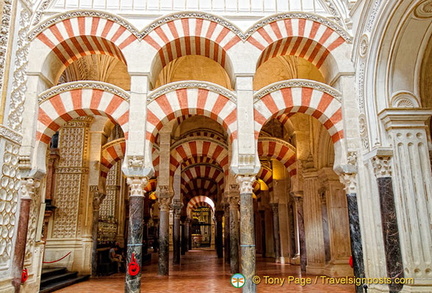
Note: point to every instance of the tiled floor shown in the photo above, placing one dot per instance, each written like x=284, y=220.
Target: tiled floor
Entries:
x=202, y=272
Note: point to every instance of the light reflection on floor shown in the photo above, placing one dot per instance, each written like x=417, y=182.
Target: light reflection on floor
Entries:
x=201, y=271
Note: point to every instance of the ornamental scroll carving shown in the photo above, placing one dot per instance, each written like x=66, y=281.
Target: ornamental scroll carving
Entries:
x=9, y=189
x=137, y=185
x=245, y=183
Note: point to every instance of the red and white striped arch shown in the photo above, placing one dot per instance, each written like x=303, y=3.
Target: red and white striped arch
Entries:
x=266, y=175
x=199, y=148
x=204, y=171
x=199, y=186
x=73, y=27
x=111, y=153
x=61, y=108
x=314, y=102
x=297, y=46
x=279, y=150
x=199, y=201
x=191, y=101
x=303, y=37
x=192, y=46
x=192, y=27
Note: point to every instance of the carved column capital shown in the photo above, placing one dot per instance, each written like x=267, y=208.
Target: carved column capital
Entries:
x=246, y=183
x=177, y=205
x=164, y=203
x=382, y=166
x=350, y=182
x=98, y=197
x=234, y=201
x=137, y=185
x=27, y=189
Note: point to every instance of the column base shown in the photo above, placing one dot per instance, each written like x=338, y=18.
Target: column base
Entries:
x=295, y=260
x=315, y=269
x=338, y=269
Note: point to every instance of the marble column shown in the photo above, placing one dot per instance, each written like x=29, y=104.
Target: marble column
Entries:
x=177, y=206
x=263, y=232
x=247, y=237
x=97, y=200
x=51, y=175
x=183, y=235
x=227, y=223
x=349, y=179
x=219, y=235
x=382, y=167
x=187, y=235
x=276, y=235
x=234, y=231
x=26, y=192
x=301, y=237
x=164, y=206
x=135, y=231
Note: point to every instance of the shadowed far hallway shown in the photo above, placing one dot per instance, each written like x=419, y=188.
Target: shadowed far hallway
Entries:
x=201, y=271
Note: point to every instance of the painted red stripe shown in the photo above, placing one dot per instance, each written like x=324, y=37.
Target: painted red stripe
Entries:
x=81, y=25
x=152, y=42
x=231, y=43
x=107, y=28
x=265, y=35
x=118, y=34
x=185, y=25
x=95, y=24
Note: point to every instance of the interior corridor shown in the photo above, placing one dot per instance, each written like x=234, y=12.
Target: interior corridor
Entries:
x=201, y=271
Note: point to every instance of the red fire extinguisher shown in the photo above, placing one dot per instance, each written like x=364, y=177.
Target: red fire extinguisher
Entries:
x=24, y=276
x=133, y=268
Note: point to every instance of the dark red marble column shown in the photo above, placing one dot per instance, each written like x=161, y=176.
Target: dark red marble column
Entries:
x=164, y=206
x=26, y=193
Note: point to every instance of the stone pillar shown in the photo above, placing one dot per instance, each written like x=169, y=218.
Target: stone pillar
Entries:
x=276, y=235
x=219, y=235
x=247, y=237
x=177, y=206
x=97, y=200
x=227, y=228
x=335, y=224
x=135, y=231
x=350, y=181
x=412, y=192
x=26, y=192
x=300, y=235
x=382, y=167
x=263, y=233
x=164, y=207
x=183, y=235
x=187, y=235
x=234, y=229
x=313, y=223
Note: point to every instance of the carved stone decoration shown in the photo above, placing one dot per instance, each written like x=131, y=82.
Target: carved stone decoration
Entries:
x=293, y=83
x=17, y=97
x=364, y=131
x=373, y=14
x=177, y=205
x=31, y=191
x=163, y=191
x=4, y=36
x=404, y=99
x=352, y=158
x=137, y=185
x=382, y=166
x=424, y=9
x=97, y=85
x=193, y=85
x=10, y=134
x=349, y=180
x=135, y=162
x=364, y=45
x=9, y=187
x=164, y=203
x=246, y=183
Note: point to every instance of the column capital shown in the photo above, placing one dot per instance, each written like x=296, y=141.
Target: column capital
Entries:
x=234, y=200
x=164, y=203
x=382, y=166
x=98, y=196
x=137, y=185
x=27, y=189
x=246, y=183
x=404, y=118
x=350, y=182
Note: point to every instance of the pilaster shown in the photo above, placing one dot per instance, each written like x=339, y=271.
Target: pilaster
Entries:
x=412, y=184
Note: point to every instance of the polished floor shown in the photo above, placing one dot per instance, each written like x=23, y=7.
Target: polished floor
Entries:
x=202, y=272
